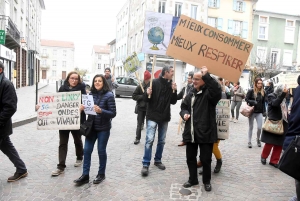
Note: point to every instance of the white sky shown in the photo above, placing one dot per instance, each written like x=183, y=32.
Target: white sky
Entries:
x=93, y=22
x=279, y=6
x=86, y=23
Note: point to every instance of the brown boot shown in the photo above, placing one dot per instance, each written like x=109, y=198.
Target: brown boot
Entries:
x=199, y=164
x=181, y=144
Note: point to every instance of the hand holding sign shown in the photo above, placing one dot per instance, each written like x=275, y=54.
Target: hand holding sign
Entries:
x=97, y=109
x=88, y=102
x=174, y=86
x=149, y=91
x=186, y=117
x=204, y=70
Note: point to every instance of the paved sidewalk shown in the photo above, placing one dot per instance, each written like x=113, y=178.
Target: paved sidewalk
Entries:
x=26, y=103
x=241, y=178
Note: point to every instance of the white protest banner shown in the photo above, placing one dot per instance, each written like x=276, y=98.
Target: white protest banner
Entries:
x=157, y=32
x=88, y=102
x=59, y=111
x=290, y=79
x=223, y=117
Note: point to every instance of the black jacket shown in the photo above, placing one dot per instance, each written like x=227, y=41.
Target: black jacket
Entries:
x=79, y=87
x=188, y=88
x=8, y=106
x=274, y=113
x=204, y=112
x=294, y=118
x=138, y=95
x=159, y=104
x=106, y=102
x=258, y=102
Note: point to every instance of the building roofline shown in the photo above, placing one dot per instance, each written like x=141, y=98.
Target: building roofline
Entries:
x=272, y=12
x=42, y=3
x=112, y=42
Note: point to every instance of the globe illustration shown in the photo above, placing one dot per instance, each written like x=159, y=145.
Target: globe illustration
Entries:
x=156, y=36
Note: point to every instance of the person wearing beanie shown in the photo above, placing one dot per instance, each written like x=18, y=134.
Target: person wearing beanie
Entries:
x=141, y=105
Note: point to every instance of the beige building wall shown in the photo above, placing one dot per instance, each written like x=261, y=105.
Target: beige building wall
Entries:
x=224, y=10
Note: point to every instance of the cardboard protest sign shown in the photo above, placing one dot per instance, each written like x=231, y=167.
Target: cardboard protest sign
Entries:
x=132, y=64
x=59, y=111
x=157, y=31
x=223, y=118
x=199, y=44
x=88, y=102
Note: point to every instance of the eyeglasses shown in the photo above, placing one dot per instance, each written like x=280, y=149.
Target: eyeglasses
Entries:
x=197, y=79
x=73, y=79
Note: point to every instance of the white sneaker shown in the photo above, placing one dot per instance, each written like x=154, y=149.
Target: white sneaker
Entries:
x=232, y=119
x=57, y=172
x=235, y=121
x=78, y=163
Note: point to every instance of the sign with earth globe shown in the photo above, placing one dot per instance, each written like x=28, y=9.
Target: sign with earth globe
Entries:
x=157, y=33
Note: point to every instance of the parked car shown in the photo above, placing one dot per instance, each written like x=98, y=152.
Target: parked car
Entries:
x=126, y=85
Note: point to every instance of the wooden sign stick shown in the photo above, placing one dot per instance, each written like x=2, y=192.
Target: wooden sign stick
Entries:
x=152, y=73
x=174, y=67
x=137, y=77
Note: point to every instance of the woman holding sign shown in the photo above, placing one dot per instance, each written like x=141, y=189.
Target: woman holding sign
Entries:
x=72, y=83
x=105, y=107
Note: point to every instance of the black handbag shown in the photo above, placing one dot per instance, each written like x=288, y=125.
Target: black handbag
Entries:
x=87, y=127
x=290, y=160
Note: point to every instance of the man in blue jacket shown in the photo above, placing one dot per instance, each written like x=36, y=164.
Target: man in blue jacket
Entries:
x=8, y=106
x=163, y=93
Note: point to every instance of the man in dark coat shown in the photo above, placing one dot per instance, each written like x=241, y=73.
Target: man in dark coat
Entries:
x=141, y=105
x=8, y=106
x=182, y=94
x=294, y=126
x=162, y=93
x=199, y=111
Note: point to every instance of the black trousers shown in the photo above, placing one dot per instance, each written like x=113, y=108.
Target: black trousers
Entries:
x=10, y=151
x=205, y=157
x=63, y=146
x=140, y=120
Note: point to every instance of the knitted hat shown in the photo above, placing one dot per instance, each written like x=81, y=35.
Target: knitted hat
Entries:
x=147, y=75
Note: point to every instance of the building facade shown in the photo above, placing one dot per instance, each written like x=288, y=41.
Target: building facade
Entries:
x=122, y=38
x=112, y=54
x=100, y=59
x=21, y=21
x=196, y=9
x=57, y=60
x=276, y=41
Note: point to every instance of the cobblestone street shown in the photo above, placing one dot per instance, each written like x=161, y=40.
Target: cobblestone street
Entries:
x=242, y=176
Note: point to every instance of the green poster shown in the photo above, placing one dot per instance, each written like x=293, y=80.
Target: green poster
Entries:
x=2, y=37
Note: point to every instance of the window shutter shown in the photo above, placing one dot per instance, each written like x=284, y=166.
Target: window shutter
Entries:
x=220, y=23
x=218, y=3
x=245, y=30
x=209, y=3
x=244, y=6
x=234, y=4
x=230, y=27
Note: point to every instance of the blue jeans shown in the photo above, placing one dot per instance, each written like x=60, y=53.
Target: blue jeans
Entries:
x=102, y=137
x=150, y=135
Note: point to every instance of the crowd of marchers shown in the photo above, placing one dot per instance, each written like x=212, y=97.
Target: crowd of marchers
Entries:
x=199, y=99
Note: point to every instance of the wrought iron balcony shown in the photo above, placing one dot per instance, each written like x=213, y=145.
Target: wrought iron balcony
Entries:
x=12, y=33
